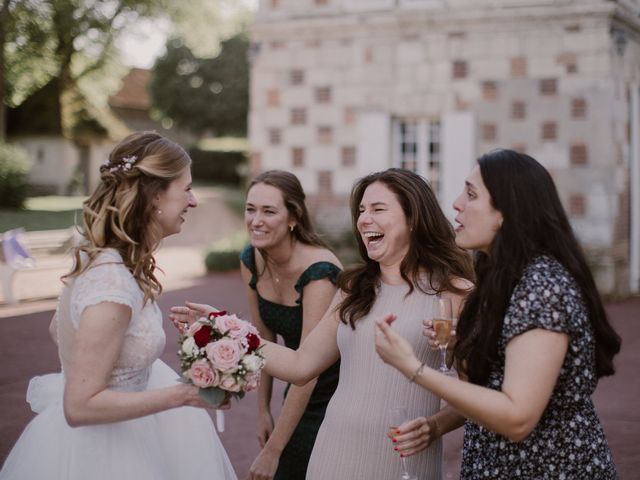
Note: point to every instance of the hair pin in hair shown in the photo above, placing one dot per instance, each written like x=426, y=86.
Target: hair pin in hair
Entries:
x=124, y=166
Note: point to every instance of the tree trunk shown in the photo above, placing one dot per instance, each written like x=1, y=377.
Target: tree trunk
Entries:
x=4, y=17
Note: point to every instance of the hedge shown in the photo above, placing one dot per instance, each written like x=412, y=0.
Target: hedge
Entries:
x=14, y=176
x=218, y=166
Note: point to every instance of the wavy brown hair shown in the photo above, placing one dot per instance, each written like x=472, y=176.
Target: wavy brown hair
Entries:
x=432, y=247
x=119, y=214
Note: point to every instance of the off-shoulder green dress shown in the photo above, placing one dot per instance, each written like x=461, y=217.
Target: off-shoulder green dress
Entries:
x=286, y=321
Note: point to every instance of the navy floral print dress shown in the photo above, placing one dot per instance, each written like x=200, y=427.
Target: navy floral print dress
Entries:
x=568, y=442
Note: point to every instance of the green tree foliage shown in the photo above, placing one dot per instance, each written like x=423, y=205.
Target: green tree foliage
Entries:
x=65, y=39
x=204, y=95
x=72, y=41
x=204, y=24
x=14, y=168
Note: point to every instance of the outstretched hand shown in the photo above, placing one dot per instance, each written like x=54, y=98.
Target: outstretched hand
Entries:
x=392, y=348
x=183, y=316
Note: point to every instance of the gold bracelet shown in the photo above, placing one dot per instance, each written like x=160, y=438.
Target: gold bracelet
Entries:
x=415, y=375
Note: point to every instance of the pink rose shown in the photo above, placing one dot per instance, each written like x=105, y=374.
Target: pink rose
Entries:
x=232, y=325
x=202, y=375
x=229, y=384
x=253, y=381
x=224, y=354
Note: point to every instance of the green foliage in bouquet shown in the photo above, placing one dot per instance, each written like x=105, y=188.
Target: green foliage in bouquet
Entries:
x=214, y=396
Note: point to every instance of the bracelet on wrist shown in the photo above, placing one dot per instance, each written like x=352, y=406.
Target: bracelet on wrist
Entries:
x=417, y=373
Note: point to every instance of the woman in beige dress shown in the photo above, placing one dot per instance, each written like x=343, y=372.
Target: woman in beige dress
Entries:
x=409, y=256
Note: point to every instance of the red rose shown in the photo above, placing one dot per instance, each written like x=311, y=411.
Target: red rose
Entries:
x=254, y=341
x=203, y=336
x=213, y=315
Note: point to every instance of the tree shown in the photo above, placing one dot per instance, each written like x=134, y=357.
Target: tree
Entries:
x=204, y=95
x=65, y=42
x=60, y=40
x=4, y=15
x=203, y=24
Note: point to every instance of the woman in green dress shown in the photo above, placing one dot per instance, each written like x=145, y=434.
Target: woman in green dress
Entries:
x=290, y=276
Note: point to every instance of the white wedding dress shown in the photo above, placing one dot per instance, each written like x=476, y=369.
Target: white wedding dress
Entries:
x=177, y=444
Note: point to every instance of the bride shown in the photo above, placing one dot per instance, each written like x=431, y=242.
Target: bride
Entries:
x=116, y=411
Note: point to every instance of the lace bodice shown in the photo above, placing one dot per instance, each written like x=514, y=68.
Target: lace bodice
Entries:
x=109, y=280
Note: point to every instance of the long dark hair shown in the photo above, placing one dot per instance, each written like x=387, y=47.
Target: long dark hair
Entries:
x=534, y=223
x=432, y=246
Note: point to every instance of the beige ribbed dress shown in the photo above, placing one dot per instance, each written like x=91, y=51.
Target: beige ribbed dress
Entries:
x=352, y=442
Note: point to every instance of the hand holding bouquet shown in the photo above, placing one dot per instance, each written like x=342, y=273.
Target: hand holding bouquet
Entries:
x=220, y=353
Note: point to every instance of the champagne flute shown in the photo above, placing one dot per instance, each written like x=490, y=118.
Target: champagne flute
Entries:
x=443, y=326
x=398, y=417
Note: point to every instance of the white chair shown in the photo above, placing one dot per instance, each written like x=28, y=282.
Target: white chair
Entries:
x=15, y=256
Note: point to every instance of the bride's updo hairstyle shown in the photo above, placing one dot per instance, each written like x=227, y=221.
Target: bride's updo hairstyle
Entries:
x=120, y=213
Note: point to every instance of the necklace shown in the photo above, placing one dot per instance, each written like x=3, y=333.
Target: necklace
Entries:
x=276, y=277
x=271, y=266
x=280, y=276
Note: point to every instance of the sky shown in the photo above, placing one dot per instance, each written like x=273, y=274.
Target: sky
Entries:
x=142, y=43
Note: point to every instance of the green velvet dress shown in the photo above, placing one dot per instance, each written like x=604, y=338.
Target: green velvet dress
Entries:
x=286, y=321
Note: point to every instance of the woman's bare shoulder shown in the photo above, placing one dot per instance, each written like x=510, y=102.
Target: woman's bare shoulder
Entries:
x=313, y=254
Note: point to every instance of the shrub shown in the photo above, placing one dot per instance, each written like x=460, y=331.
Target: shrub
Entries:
x=222, y=261
x=224, y=255
x=218, y=166
x=14, y=172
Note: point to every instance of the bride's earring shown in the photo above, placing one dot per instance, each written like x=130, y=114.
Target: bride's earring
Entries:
x=159, y=212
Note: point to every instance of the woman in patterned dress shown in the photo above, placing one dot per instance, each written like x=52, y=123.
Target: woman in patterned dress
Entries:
x=533, y=338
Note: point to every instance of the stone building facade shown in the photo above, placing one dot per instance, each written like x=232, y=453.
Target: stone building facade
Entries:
x=340, y=88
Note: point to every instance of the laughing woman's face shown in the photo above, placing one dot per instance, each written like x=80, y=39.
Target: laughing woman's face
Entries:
x=383, y=225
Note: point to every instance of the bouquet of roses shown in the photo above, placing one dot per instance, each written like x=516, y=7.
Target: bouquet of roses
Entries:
x=221, y=353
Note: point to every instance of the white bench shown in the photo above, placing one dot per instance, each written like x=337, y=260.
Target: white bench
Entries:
x=28, y=250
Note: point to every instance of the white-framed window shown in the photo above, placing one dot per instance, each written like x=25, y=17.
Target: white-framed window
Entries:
x=417, y=147
x=421, y=3
x=369, y=5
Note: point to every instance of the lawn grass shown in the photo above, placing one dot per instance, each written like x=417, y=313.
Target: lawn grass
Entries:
x=43, y=213
x=37, y=219
x=54, y=212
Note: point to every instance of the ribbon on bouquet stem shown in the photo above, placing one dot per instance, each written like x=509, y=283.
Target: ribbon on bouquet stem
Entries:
x=220, y=420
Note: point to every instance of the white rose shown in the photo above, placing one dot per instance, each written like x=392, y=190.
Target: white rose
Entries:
x=252, y=362
x=229, y=384
x=189, y=346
